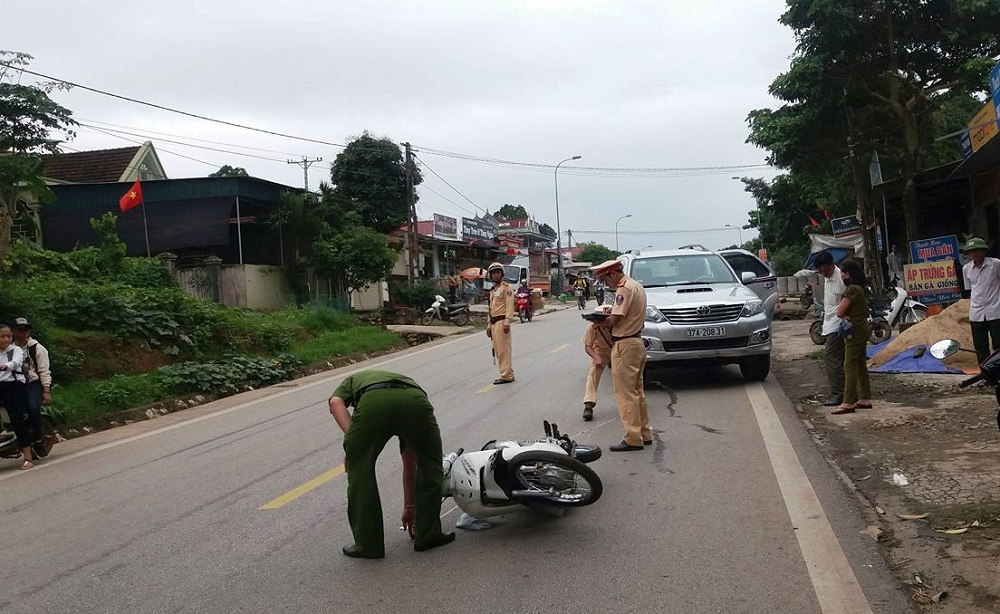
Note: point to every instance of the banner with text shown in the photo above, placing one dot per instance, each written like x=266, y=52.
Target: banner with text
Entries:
x=445, y=227
x=983, y=127
x=474, y=230
x=938, y=248
x=932, y=282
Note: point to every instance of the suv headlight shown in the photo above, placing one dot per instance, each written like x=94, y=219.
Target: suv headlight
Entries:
x=752, y=308
x=653, y=315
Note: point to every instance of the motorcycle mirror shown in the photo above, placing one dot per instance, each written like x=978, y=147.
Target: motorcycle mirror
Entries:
x=945, y=348
x=547, y=427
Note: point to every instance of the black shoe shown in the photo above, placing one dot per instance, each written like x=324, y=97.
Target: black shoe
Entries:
x=353, y=552
x=502, y=381
x=446, y=538
x=588, y=412
x=624, y=446
x=833, y=401
x=647, y=442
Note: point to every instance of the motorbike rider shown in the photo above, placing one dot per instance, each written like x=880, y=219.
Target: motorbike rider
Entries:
x=500, y=316
x=524, y=291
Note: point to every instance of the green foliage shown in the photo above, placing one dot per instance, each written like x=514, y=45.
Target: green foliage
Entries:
x=418, y=295
x=111, y=249
x=322, y=319
x=146, y=273
x=369, y=184
x=512, y=212
x=234, y=373
x=548, y=231
x=30, y=123
x=230, y=171
x=788, y=259
x=345, y=343
x=356, y=255
x=596, y=253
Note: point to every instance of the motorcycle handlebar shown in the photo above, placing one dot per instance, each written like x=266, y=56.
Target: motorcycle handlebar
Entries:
x=972, y=380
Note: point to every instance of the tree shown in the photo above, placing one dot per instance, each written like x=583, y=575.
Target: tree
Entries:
x=596, y=253
x=369, y=181
x=30, y=126
x=511, y=212
x=355, y=255
x=548, y=231
x=230, y=171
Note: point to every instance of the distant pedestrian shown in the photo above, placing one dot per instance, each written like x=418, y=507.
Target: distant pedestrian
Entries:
x=833, y=344
x=894, y=263
x=981, y=277
x=453, y=282
x=854, y=308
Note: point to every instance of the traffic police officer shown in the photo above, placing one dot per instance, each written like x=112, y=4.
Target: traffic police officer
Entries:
x=501, y=313
x=628, y=354
x=597, y=345
x=387, y=404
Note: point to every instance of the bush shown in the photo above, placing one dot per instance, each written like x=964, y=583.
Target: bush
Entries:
x=147, y=273
x=788, y=259
x=319, y=319
x=418, y=295
x=234, y=373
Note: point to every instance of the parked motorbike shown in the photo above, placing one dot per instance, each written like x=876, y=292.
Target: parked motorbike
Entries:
x=523, y=305
x=989, y=369
x=441, y=310
x=547, y=475
x=8, y=442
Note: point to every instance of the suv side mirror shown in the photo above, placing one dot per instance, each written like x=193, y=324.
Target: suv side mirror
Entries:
x=747, y=277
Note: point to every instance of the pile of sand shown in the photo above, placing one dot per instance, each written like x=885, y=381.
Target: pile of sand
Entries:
x=952, y=323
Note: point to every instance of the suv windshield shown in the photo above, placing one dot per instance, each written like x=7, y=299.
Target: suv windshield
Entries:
x=679, y=270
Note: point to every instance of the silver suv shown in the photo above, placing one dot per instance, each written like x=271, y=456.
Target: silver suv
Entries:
x=698, y=311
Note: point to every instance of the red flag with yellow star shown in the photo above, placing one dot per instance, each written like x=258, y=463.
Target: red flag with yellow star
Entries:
x=132, y=198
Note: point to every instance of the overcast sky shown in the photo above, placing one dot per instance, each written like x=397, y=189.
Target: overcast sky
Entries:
x=663, y=84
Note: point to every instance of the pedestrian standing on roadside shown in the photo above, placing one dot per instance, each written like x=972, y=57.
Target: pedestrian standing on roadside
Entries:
x=453, y=288
x=894, y=263
x=628, y=354
x=833, y=345
x=12, y=392
x=597, y=345
x=38, y=379
x=981, y=276
x=854, y=307
x=388, y=404
x=501, y=315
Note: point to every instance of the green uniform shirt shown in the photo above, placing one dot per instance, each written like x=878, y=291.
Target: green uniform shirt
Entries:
x=857, y=311
x=353, y=383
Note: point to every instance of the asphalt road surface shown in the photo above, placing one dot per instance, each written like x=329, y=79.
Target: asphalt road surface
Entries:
x=239, y=506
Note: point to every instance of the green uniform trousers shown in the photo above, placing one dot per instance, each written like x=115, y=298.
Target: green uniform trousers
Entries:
x=857, y=384
x=380, y=414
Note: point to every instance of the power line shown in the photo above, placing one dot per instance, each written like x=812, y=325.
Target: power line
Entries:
x=457, y=191
x=433, y=191
x=205, y=147
x=652, y=232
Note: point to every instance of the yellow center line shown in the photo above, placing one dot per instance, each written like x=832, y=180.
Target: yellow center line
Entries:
x=294, y=494
x=560, y=348
x=486, y=388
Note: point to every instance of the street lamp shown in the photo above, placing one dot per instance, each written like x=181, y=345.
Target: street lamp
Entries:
x=616, y=229
x=739, y=229
x=760, y=225
x=558, y=228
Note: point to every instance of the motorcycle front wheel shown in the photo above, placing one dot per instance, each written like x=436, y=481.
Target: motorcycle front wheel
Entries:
x=461, y=318
x=520, y=316
x=564, y=480
x=427, y=318
x=881, y=331
x=586, y=453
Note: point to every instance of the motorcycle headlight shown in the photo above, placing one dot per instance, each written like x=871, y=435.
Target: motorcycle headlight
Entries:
x=752, y=308
x=653, y=315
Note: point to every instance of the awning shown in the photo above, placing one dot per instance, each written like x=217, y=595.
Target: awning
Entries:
x=986, y=160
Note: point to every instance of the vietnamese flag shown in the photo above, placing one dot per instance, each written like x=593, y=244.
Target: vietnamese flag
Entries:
x=826, y=214
x=813, y=221
x=132, y=198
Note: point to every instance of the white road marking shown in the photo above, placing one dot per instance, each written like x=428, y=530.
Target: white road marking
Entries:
x=836, y=586
x=321, y=382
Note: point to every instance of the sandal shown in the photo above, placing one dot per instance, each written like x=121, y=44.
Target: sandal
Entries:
x=863, y=405
x=843, y=409
x=27, y=465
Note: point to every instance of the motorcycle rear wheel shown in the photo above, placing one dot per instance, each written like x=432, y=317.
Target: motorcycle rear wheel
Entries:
x=461, y=319
x=565, y=480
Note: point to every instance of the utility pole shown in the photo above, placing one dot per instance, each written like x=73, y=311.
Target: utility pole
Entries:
x=305, y=163
x=862, y=197
x=411, y=201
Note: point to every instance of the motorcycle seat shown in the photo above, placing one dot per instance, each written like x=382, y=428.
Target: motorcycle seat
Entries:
x=457, y=305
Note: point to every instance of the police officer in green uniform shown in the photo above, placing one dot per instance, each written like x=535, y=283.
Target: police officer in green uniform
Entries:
x=387, y=404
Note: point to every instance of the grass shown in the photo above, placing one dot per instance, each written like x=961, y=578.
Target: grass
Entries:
x=313, y=335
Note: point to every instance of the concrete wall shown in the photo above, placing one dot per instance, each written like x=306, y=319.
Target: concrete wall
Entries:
x=370, y=298
x=266, y=287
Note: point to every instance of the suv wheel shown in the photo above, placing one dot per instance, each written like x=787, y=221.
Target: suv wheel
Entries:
x=755, y=368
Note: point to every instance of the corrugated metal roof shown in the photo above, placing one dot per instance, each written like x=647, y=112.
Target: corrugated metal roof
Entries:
x=89, y=195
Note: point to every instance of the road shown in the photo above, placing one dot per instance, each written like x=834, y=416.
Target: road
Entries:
x=239, y=506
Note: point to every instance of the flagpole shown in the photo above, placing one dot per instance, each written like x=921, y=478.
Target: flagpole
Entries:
x=239, y=230
x=145, y=229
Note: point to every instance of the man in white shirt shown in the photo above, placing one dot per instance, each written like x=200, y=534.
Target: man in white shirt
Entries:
x=833, y=348
x=982, y=280
x=894, y=262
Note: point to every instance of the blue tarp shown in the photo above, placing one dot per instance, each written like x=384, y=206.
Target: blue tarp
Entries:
x=837, y=253
x=904, y=362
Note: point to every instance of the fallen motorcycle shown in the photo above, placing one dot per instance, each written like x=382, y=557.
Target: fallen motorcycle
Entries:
x=546, y=475
x=440, y=309
x=8, y=442
x=989, y=369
